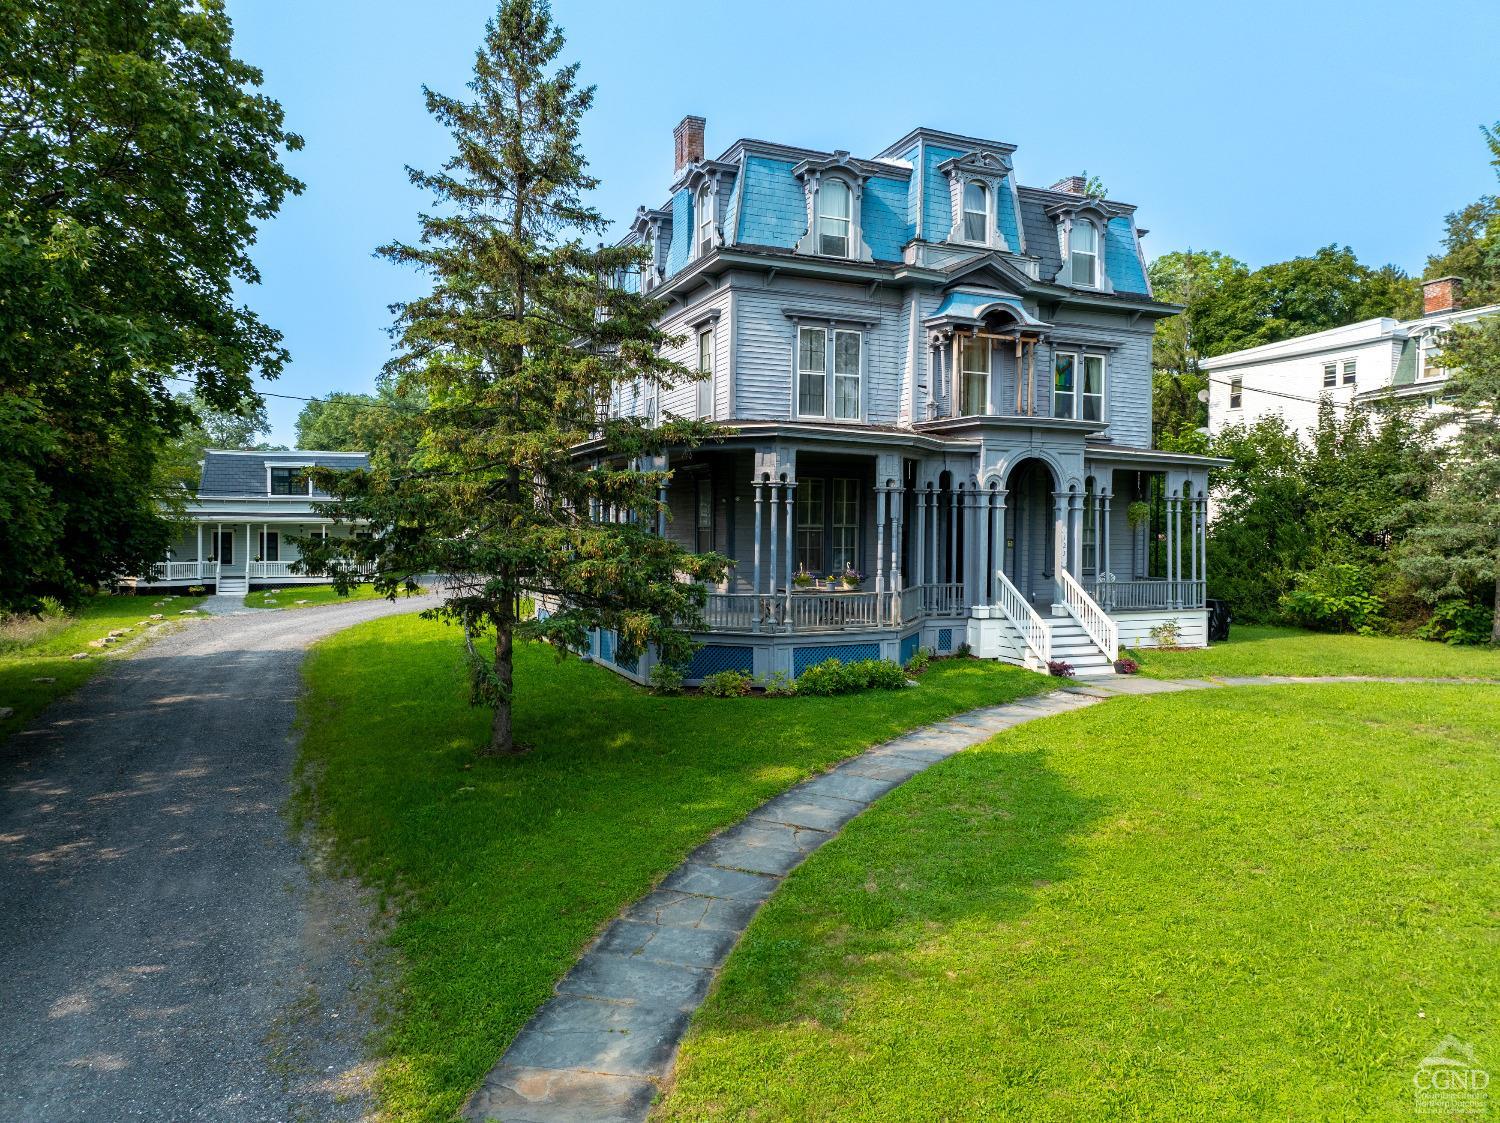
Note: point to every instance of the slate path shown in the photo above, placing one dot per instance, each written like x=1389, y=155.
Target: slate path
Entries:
x=597, y=1052
x=165, y=952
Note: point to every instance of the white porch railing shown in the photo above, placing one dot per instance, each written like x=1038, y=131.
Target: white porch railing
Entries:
x=1127, y=595
x=944, y=599
x=1091, y=618
x=271, y=569
x=1024, y=619
x=178, y=570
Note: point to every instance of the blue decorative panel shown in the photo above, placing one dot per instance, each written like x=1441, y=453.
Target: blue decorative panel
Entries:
x=712, y=658
x=910, y=645
x=1120, y=259
x=682, y=231
x=804, y=657
x=882, y=217
x=773, y=208
x=945, y=639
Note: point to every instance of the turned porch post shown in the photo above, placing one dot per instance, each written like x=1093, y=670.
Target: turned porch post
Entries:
x=1102, y=542
x=788, y=490
x=985, y=510
x=953, y=533
x=919, y=547
x=879, y=538
x=1059, y=542
x=898, y=517
x=771, y=575
x=997, y=541
x=661, y=511
x=756, y=485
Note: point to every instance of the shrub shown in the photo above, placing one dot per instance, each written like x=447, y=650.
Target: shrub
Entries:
x=1059, y=669
x=964, y=651
x=1166, y=634
x=919, y=662
x=1335, y=597
x=665, y=679
x=779, y=684
x=834, y=677
x=1458, y=622
x=196, y=590
x=1125, y=665
x=727, y=684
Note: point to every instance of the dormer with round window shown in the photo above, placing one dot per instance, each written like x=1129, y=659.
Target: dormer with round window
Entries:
x=1081, y=227
x=833, y=190
x=978, y=189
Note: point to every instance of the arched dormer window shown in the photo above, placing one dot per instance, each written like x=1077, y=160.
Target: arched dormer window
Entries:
x=976, y=212
x=1080, y=243
x=833, y=187
x=835, y=216
x=703, y=208
x=1083, y=254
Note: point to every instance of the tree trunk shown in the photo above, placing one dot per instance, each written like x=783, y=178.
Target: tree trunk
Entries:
x=1495, y=621
x=502, y=741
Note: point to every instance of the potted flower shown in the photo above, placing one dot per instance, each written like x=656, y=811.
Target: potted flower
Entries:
x=852, y=578
x=802, y=579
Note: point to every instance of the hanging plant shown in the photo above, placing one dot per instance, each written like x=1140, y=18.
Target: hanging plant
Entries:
x=1137, y=513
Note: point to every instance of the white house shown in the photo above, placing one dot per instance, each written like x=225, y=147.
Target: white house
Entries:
x=239, y=524
x=1364, y=363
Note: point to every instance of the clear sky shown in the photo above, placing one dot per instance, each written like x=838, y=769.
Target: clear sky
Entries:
x=1264, y=130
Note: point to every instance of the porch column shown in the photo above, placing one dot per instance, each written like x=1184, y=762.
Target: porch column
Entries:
x=985, y=509
x=1102, y=540
x=953, y=534
x=771, y=582
x=248, y=555
x=1075, y=536
x=756, y=485
x=879, y=539
x=1203, y=540
x=1059, y=542
x=919, y=547
x=997, y=542
x=1174, y=531
x=265, y=541
x=661, y=511
x=898, y=516
x=199, y=555
x=788, y=490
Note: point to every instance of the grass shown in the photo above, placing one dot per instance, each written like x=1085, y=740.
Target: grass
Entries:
x=314, y=595
x=1250, y=904
x=1291, y=651
x=503, y=870
x=39, y=648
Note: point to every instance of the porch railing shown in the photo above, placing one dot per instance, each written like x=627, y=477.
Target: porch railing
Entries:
x=274, y=569
x=1024, y=619
x=1127, y=595
x=177, y=570
x=943, y=599
x=1091, y=618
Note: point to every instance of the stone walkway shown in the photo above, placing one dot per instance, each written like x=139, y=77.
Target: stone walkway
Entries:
x=598, y=1051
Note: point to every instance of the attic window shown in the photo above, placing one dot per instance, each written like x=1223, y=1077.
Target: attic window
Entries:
x=976, y=212
x=834, y=218
x=705, y=209
x=1084, y=253
x=290, y=481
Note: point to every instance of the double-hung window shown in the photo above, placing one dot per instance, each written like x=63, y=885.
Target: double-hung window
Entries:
x=974, y=372
x=289, y=481
x=810, y=526
x=1330, y=374
x=845, y=525
x=705, y=207
x=1349, y=369
x=816, y=361
x=976, y=212
x=1083, y=250
x=1236, y=392
x=706, y=366
x=1078, y=386
x=270, y=545
x=703, y=516
x=835, y=217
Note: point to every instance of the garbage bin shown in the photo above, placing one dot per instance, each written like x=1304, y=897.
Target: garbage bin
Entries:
x=1218, y=620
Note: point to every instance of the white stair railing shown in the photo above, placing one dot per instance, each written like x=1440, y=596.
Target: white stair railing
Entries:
x=1024, y=618
x=1097, y=623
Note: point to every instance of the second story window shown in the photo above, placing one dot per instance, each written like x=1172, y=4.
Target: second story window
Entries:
x=1236, y=392
x=812, y=371
x=1078, y=386
x=705, y=209
x=1084, y=253
x=1349, y=368
x=706, y=365
x=846, y=364
x=834, y=218
x=976, y=212
x=1330, y=374
x=824, y=363
x=289, y=481
x=974, y=367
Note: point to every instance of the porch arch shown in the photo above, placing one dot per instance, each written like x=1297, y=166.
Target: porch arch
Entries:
x=1035, y=486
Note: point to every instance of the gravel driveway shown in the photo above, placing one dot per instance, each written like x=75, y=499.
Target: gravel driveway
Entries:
x=166, y=953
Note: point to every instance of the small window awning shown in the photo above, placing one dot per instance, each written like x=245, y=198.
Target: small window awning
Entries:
x=966, y=307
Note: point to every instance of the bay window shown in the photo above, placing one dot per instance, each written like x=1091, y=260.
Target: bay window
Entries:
x=974, y=369
x=835, y=214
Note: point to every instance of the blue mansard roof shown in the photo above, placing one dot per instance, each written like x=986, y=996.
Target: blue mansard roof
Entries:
x=761, y=194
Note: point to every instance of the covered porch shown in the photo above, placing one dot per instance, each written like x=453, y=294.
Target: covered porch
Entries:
x=226, y=553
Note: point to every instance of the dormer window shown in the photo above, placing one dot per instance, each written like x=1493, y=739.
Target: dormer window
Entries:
x=976, y=212
x=290, y=481
x=834, y=217
x=1084, y=253
x=705, y=208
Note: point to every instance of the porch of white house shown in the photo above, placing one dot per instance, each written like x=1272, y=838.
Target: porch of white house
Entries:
x=946, y=562
x=236, y=556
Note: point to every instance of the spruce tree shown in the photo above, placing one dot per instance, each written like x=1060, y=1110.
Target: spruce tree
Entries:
x=527, y=336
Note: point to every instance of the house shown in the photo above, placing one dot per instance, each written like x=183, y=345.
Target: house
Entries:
x=1374, y=362
x=238, y=525
x=938, y=382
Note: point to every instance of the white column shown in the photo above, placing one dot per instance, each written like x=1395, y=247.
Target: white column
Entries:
x=898, y=517
x=879, y=538
x=265, y=540
x=661, y=511
x=199, y=555
x=791, y=553
x=757, y=485
x=248, y=533
x=771, y=583
x=1102, y=546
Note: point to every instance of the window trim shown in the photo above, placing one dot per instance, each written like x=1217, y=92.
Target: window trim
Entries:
x=1350, y=371
x=705, y=387
x=831, y=332
x=819, y=217
x=1236, y=391
x=819, y=372
x=1094, y=255
x=986, y=214
x=703, y=488
x=835, y=526
x=810, y=490
x=1330, y=375
x=966, y=344
x=1079, y=393
x=273, y=467
x=703, y=218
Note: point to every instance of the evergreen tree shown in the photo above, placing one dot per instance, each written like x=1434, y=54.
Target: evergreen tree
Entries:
x=1454, y=553
x=1471, y=244
x=519, y=349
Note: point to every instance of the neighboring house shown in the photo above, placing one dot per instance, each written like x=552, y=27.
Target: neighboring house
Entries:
x=1373, y=362
x=936, y=378
x=239, y=523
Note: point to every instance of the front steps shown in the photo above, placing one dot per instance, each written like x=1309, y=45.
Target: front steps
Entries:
x=232, y=586
x=1071, y=644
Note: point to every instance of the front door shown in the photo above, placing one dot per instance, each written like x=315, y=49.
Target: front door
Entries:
x=224, y=548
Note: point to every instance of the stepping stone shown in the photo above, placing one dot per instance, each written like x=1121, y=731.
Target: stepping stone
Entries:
x=79, y=655
x=799, y=808
x=626, y=978
x=686, y=910
x=45, y=681
x=547, y=1095
x=712, y=881
x=156, y=616
x=848, y=785
x=187, y=612
x=686, y=947
x=614, y=1038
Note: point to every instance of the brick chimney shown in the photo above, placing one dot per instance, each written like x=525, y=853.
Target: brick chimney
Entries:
x=687, y=142
x=1071, y=185
x=1442, y=294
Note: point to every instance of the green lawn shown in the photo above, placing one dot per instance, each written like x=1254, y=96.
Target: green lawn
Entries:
x=32, y=649
x=1247, y=904
x=503, y=870
x=1291, y=651
x=314, y=595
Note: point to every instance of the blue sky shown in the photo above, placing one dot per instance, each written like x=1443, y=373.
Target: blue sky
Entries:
x=1264, y=130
